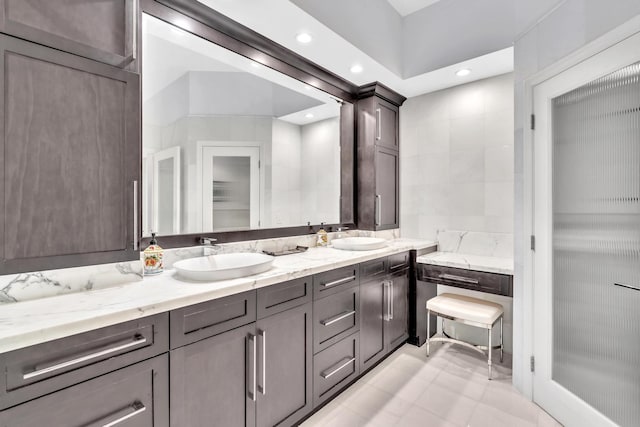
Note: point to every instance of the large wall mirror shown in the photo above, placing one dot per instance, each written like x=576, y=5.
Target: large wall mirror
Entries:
x=230, y=144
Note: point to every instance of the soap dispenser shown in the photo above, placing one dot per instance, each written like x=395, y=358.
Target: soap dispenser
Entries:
x=322, y=236
x=152, y=256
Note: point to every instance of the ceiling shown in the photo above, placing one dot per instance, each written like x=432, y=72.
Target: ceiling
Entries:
x=339, y=40
x=407, y=7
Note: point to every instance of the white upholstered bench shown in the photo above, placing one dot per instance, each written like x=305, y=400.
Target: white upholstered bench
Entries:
x=469, y=311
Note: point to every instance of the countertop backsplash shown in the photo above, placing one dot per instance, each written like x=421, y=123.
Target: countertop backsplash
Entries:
x=42, y=284
x=476, y=243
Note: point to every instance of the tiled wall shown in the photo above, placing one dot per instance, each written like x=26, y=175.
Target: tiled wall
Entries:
x=456, y=160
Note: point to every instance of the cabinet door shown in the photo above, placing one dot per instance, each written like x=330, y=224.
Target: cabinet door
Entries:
x=104, y=30
x=284, y=367
x=397, y=326
x=387, y=191
x=386, y=133
x=373, y=313
x=213, y=381
x=70, y=159
x=134, y=396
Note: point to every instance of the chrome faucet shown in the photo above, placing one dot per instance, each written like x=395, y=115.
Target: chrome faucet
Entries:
x=207, y=241
x=340, y=230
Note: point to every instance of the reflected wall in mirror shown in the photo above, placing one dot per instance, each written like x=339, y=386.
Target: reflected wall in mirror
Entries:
x=229, y=144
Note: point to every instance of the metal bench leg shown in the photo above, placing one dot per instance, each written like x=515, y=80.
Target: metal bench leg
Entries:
x=501, y=341
x=489, y=352
x=428, y=329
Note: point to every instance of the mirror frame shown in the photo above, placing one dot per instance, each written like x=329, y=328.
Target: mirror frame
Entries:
x=202, y=21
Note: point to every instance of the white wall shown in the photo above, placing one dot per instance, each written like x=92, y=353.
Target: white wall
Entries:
x=285, y=195
x=320, y=172
x=456, y=159
x=570, y=26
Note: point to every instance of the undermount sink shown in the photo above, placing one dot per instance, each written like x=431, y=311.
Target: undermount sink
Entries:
x=223, y=266
x=359, y=243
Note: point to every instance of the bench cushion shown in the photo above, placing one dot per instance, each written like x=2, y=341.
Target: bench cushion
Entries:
x=467, y=308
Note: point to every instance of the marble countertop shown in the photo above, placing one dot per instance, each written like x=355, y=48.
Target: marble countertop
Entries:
x=491, y=264
x=32, y=322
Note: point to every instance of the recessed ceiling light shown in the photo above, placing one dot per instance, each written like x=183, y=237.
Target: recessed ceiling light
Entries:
x=304, y=38
x=357, y=68
x=309, y=116
x=307, y=87
x=178, y=31
x=255, y=65
x=463, y=72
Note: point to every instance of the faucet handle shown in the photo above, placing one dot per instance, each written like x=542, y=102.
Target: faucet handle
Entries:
x=343, y=228
x=207, y=241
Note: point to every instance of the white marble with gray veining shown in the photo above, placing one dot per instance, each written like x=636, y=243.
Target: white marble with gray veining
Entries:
x=476, y=243
x=41, y=284
x=32, y=322
x=490, y=264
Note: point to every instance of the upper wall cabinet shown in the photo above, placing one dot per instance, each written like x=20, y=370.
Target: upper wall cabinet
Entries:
x=378, y=153
x=105, y=30
x=70, y=159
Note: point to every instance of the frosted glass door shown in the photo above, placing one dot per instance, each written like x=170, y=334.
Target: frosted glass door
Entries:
x=588, y=270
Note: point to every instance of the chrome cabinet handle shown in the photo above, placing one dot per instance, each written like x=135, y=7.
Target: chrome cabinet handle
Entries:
x=337, y=318
x=378, y=124
x=623, y=285
x=263, y=387
x=135, y=215
x=378, y=209
x=132, y=30
x=252, y=340
x=458, y=278
x=138, y=340
x=339, y=281
x=391, y=300
x=137, y=407
x=326, y=374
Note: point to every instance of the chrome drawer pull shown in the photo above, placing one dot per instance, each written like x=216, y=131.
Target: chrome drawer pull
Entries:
x=458, y=278
x=378, y=124
x=337, y=318
x=138, y=409
x=254, y=395
x=138, y=340
x=263, y=335
x=339, y=281
x=622, y=285
x=326, y=374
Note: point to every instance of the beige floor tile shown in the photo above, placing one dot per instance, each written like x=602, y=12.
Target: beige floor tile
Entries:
x=399, y=383
x=510, y=401
x=419, y=417
x=450, y=406
x=488, y=416
x=546, y=420
x=472, y=387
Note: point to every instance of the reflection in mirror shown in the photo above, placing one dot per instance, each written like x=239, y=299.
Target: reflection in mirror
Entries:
x=229, y=144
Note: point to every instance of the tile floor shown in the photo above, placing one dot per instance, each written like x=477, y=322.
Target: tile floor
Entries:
x=450, y=388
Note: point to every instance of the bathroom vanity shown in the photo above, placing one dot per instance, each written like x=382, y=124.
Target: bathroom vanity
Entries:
x=262, y=350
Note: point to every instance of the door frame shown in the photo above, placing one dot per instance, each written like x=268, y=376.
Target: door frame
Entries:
x=166, y=154
x=591, y=49
x=200, y=146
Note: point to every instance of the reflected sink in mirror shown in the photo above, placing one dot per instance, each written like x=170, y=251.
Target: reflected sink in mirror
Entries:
x=359, y=243
x=223, y=266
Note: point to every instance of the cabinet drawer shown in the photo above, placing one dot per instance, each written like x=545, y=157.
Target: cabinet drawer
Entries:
x=376, y=267
x=331, y=282
x=283, y=296
x=399, y=262
x=199, y=321
x=335, y=317
x=482, y=281
x=134, y=396
x=335, y=367
x=44, y=368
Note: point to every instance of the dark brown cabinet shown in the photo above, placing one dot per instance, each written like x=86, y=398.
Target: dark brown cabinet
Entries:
x=377, y=157
x=104, y=30
x=284, y=374
x=259, y=374
x=214, y=379
x=136, y=396
x=384, y=302
x=71, y=160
